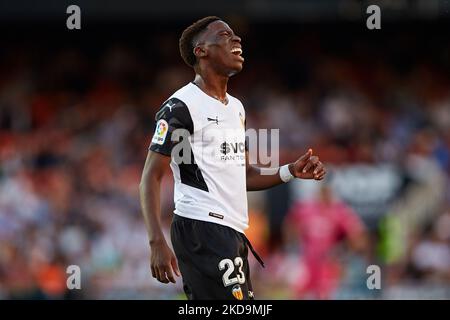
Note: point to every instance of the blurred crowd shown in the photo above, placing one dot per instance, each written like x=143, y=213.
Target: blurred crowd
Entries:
x=76, y=120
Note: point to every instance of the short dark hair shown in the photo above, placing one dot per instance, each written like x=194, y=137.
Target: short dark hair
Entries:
x=188, y=36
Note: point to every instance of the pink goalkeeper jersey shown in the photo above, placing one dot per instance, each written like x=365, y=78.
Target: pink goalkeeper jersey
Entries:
x=323, y=225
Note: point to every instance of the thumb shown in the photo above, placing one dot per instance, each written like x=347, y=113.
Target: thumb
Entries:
x=306, y=156
x=175, y=266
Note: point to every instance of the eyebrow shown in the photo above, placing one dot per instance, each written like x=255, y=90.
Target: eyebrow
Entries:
x=225, y=30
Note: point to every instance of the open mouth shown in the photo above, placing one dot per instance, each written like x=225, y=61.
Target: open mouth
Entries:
x=236, y=51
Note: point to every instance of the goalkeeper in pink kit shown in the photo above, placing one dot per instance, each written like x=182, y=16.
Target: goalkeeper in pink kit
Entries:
x=322, y=225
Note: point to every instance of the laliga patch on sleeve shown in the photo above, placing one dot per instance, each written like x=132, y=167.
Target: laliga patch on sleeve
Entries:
x=162, y=127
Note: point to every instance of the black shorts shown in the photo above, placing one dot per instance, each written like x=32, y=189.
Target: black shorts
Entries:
x=212, y=259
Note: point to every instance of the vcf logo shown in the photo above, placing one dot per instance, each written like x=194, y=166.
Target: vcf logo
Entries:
x=235, y=147
x=224, y=148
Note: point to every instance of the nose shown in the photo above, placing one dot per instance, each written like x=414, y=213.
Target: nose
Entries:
x=237, y=38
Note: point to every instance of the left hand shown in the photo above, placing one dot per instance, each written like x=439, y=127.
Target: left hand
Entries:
x=308, y=167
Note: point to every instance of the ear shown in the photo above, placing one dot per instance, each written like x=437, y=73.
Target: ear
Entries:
x=200, y=51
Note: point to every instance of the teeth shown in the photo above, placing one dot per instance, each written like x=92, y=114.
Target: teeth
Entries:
x=234, y=50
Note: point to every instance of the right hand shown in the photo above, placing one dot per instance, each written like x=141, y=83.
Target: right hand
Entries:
x=308, y=167
x=163, y=263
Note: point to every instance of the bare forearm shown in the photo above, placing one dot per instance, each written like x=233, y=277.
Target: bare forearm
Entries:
x=162, y=260
x=149, y=190
x=257, y=181
x=306, y=167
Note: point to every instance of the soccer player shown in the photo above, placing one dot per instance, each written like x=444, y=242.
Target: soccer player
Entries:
x=322, y=225
x=207, y=230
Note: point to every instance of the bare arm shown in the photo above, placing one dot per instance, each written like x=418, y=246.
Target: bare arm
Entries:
x=257, y=181
x=306, y=167
x=162, y=259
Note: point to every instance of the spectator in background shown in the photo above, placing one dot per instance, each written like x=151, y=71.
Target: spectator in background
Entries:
x=431, y=255
x=321, y=225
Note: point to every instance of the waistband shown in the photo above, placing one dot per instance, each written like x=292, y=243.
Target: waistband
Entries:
x=177, y=217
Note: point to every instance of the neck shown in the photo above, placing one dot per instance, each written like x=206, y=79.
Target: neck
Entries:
x=212, y=84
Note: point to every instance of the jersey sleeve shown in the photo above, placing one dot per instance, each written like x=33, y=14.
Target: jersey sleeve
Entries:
x=173, y=114
x=349, y=221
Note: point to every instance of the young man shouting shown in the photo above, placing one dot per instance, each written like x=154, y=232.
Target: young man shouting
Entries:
x=210, y=217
